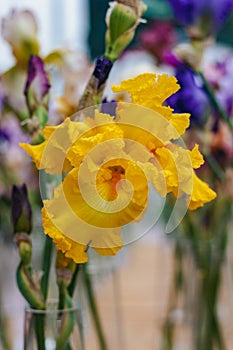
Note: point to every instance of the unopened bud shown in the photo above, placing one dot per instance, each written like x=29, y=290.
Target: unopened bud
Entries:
x=64, y=268
x=122, y=20
x=24, y=244
x=21, y=210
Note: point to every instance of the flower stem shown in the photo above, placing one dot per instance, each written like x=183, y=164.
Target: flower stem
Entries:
x=39, y=329
x=73, y=282
x=214, y=101
x=68, y=318
x=94, y=90
x=93, y=307
x=47, y=258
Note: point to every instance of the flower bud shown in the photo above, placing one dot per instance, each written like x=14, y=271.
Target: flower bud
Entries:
x=122, y=20
x=21, y=210
x=64, y=268
x=102, y=69
x=24, y=244
x=37, y=85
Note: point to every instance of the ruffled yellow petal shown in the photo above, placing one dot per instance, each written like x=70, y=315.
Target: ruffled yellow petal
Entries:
x=201, y=194
x=148, y=87
x=180, y=122
x=71, y=249
x=51, y=155
x=151, y=90
x=92, y=138
x=54, y=161
x=147, y=126
x=137, y=84
x=35, y=152
x=196, y=157
x=176, y=164
x=76, y=221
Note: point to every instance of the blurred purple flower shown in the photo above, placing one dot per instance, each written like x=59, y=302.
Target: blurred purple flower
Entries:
x=220, y=77
x=191, y=97
x=206, y=13
x=186, y=11
x=158, y=38
x=37, y=85
x=4, y=141
x=15, y=166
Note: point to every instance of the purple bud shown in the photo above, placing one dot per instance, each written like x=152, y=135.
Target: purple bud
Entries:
x=37, y=83
x=21, y=210
x=102, y=69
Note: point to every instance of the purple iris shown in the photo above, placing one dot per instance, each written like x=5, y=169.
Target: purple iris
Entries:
x=207, y=13
x=37, y=82
x=191, y=98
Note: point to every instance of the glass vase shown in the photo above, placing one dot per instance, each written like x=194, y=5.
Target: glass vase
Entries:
x=53, y=329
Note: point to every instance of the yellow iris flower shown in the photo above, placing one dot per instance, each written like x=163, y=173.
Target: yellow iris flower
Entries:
x=107, y=164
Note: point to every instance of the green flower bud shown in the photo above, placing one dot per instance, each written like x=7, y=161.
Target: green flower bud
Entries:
x=24, y=244
x=122, y=20
x=114, y=51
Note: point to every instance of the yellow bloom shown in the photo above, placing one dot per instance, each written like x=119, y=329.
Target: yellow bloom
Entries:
x=108, y=164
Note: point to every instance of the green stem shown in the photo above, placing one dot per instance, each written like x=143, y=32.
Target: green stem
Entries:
x=72, y=285
x=47, y=258
x=39, y=330
x=214, y=101
x=93, y=307
x=28, y=288
x=68, y=318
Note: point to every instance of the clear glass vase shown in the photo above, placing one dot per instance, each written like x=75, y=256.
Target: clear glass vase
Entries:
x=53, y=329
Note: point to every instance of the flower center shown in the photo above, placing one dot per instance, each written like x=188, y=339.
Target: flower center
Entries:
x=117, y=174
